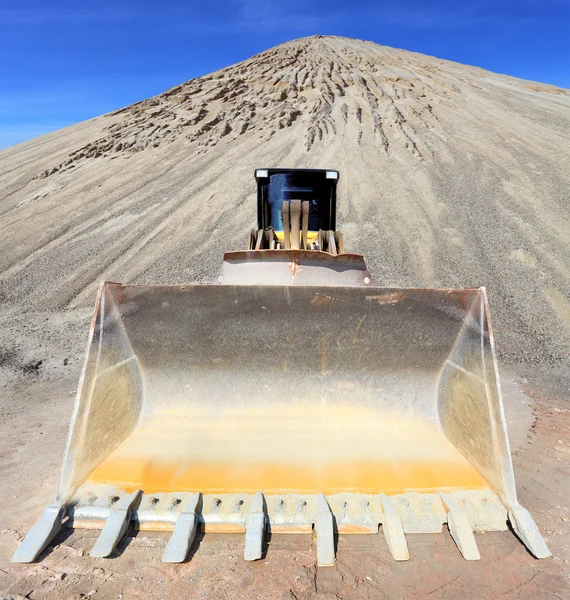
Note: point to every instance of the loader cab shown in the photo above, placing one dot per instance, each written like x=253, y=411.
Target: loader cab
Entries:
x=318, y=186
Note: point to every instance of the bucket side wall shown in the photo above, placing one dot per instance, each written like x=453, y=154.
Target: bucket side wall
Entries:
x=496, y=406
x=108, y=399
x=470, y=403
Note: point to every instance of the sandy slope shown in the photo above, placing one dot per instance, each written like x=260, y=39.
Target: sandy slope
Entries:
x=450, y=176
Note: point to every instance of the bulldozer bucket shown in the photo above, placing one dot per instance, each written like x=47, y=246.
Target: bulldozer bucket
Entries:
x=246, y=408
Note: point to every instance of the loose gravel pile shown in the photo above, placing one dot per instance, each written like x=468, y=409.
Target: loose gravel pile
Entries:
x=451, y=176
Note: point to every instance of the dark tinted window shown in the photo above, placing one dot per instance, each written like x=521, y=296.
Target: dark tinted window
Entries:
x=313, y=187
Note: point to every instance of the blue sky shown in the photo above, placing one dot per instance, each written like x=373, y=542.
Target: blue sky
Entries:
x=64, y=61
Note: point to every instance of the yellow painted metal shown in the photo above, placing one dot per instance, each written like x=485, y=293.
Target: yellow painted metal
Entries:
x=311, y=236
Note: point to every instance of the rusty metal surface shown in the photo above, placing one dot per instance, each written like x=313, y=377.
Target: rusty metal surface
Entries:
x=292, y=267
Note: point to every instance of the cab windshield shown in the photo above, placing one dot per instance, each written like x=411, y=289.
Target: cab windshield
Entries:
x=313, y=187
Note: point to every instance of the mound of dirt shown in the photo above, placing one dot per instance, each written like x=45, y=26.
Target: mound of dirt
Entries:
x=450, y=176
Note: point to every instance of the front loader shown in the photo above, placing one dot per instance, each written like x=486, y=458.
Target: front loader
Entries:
x=294, y=396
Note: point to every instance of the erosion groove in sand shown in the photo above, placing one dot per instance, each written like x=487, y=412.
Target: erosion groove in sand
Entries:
x=270, y=92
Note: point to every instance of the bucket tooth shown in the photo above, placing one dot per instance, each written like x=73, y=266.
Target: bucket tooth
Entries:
x=394, y=530
x=254, y=529
x=41, y=534
x=115, y=526
x=526, y=529
x=325, y=534
x=460, y=528
x=184, y=532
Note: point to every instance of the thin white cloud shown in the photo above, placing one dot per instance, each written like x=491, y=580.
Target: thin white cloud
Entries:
x=270, y=16
x=40, y=16
x=297, y=18
x=437, y=17
x=260, y=17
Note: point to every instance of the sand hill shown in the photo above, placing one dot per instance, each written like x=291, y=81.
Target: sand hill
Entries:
x=450, y=176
